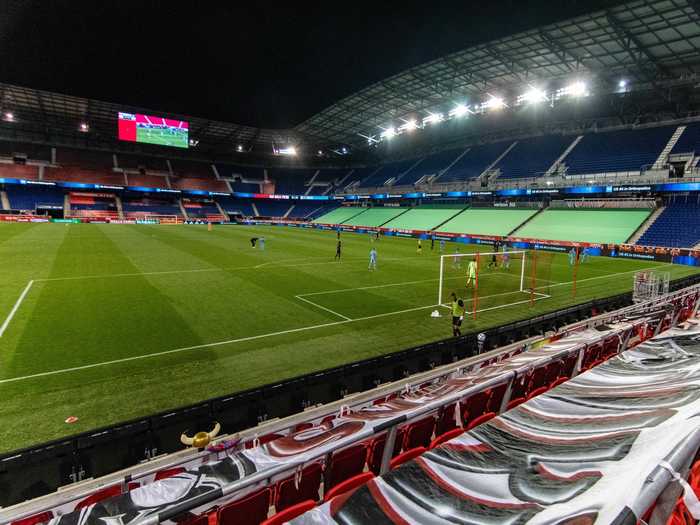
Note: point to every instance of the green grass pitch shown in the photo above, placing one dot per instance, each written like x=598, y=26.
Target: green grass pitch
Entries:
x=121, y=320
x=162, y=137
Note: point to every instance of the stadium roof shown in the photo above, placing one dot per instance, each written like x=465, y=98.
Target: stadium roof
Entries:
x=646, y=41
x=651, y=43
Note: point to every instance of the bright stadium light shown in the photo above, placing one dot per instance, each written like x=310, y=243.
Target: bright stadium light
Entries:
x=459, y=111
x=239, y=148
x=9, y=116
x=84, y=127
x=494, y=103
x=577, y=89
x=289, y=150
x=434, y=118
x=388, y=133
x=534, y=95
x=409, y=125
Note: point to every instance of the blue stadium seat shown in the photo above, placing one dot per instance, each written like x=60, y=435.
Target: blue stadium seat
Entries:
x=431, y=165
x=677, y=226
x=532, y=157
x=474, y=162
x=689, y=141
x=618, y=151
x=29, y=197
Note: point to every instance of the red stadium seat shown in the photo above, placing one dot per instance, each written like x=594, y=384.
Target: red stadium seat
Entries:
x=474, y=406
x=559, y=381
x=376, y=450
x=496, y=398
x=515, y=402
x=345, y=464
x=33, y=520
x=169, y=472
x=569, y=364
x=419, y=434
x=249, y=510
x=537, y=391
x=348, y=485
x=197, y=520
x=521, y=385
x=408, y=455
x=446, y=420
x=538, y=378
x=446, y=437
x=291, y=491
x=483, y=418
x=290, y=513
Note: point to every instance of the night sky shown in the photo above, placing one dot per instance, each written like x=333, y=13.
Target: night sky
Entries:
x=253, y=63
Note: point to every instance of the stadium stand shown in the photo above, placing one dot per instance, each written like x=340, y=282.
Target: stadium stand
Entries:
x=145, y=162
x=146, y=181
x=487, y=221
x=425, y=217
x=290, y=181
x=474, y=162
x=72, y=174
x=29, y=197
x=230, y=171
x=390, y=173
x=236, y=206
x=19, y=171
x=532, y=157
x=617, y=151
x=678, y=226
x=203, y=209
x=339, y=215
x=191, y=169
x=140, y=206
x=431, y=166
x=374, y=217
x=356, y=176
x=689, y=141
x=594, y=225
x=309, y=210
x=208, y=184
x=272, y=208
x=97, y=160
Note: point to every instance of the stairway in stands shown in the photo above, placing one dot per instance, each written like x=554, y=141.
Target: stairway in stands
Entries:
x=663, y=156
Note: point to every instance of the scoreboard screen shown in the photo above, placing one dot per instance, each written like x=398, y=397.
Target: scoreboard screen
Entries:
x=135, y=127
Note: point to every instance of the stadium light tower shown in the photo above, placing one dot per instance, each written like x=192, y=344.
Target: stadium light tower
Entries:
x=409, y=125
x=577, y=89
x=388, y=132
x=494, y=103
x=433, y=118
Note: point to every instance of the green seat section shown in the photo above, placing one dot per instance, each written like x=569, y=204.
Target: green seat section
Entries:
x=424, y=217
x=338, y=215
x=597, y=226
x=374, y=217
x=487, y=221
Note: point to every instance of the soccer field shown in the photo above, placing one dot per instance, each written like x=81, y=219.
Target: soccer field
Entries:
x=112, y=322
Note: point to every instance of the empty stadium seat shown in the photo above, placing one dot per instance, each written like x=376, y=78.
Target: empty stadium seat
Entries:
x=345, y=464
x=446, y=420
x=249, y=510
x=376, y=450
x=537, y=391
x=474, y=406
x=483, y=418
x=447, y=436
x=418, y=434
x=290, y=513
x=348, y=485
x=406, y=456
x=496, y=394
x=515, y=402
x=678, y=226
x=298, y=488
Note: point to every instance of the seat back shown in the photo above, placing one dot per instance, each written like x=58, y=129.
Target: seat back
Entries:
x=290, y=513
x=345, y=464
x=293, y=490
x=33, y=520
x=475, y=405
x=483, y=418
x=348, y=485
x=419, y=434
x=168, y=473
x=249, y=510
x=446, y=437
x=496, y=398
x=376, y=450
x=406, y=456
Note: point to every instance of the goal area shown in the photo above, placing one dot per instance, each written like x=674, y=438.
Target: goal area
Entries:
x=492, y=280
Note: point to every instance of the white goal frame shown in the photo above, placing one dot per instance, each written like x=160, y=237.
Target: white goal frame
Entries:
x=450, y=257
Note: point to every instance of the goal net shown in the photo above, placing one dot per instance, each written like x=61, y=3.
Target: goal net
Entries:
x=491, y=280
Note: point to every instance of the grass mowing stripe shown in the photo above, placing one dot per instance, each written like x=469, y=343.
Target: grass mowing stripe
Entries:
x=290, y=331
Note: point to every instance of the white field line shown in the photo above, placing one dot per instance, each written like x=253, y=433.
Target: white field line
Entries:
x=322, y=308
x=12, y=313
x=262, y=336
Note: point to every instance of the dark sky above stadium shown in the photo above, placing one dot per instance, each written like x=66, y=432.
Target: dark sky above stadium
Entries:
x=249, y=63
